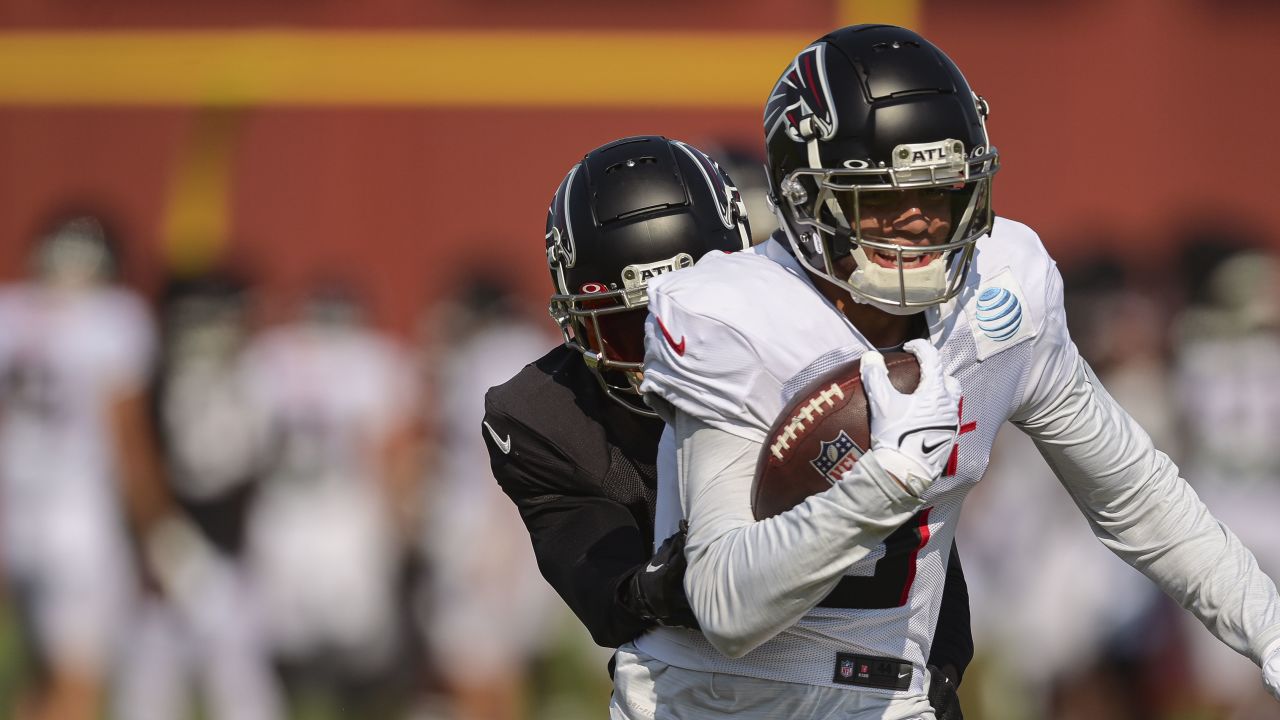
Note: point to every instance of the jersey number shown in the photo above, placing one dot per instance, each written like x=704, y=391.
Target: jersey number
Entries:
x=895, y=572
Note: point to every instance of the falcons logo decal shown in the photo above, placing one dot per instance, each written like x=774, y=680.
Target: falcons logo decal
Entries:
x=802, y=92
x=562, y=251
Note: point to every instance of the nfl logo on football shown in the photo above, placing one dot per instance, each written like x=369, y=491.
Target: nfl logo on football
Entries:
x=836, y=457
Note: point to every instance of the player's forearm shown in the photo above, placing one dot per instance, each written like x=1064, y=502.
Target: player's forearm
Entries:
x=587, y=549
x=1144, y=512
x=747, y=580
x=147, y=498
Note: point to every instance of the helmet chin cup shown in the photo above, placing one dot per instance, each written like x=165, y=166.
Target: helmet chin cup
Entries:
x=886, y=307
x=916, y=288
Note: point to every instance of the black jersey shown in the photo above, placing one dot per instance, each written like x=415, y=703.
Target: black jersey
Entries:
x=219, y=513
x=582, y=470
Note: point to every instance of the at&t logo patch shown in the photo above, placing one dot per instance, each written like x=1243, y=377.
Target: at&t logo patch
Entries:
x=998, y=315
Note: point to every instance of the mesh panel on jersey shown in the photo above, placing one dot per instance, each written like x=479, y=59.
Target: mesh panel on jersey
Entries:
x=1010, y=368
x=633, y=482
x=815, y=369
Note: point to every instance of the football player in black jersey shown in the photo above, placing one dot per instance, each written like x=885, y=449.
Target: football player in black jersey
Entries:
x=571, y=441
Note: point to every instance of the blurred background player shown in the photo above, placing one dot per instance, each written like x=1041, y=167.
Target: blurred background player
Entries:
x=1230, y=443
x=1109, y=649
x=75, y=456
x=205, y=632
x=487, y=614
x=338, y=404
x=569, y=438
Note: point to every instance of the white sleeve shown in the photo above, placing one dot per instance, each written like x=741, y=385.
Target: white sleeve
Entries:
x=749, y=580
x=1136, y=503
x=128, y=338
x=713, y=373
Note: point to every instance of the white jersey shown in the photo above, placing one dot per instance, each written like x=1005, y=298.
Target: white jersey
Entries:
x=319, y=538
x=732, y=339
x=64, y=358
x=479, y=551
x=329, y=396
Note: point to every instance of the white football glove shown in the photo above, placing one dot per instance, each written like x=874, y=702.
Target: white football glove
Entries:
x=913, y=434
x=1271, y=670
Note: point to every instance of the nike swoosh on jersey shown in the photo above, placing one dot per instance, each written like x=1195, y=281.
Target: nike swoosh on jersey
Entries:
x=654, y=568
x=677, y=346
x=503, y=445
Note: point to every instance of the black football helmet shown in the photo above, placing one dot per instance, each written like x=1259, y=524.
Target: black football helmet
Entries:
x=862, y=116
x=630, y=210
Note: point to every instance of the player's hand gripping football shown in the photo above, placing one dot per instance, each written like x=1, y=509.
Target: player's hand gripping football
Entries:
x=912, y=433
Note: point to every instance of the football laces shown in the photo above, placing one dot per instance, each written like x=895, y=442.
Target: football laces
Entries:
x=804, y=418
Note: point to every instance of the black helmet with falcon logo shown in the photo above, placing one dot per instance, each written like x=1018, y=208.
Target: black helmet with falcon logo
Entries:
x=860, y=118
x=630, y=210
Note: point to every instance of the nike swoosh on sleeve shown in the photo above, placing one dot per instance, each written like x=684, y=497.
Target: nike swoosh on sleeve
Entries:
x=677, y=346
x=503, y=444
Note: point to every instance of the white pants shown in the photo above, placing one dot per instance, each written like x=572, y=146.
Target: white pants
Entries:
x=209, y=640
x=648, y=689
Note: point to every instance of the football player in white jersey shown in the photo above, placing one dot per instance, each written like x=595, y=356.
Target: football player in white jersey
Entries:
x=881, y=172
x=201, y=638
x=570, y=439
x=339, y=401
x=75, y=450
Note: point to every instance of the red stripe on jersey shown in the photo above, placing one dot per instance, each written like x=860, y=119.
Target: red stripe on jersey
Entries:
x=965, y=427
x=923, y=532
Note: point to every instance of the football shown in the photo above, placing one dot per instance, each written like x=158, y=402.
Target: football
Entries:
x=821, y=434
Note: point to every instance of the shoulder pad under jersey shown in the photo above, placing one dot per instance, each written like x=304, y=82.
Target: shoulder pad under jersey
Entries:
x=724, y=336
x=1013, y=286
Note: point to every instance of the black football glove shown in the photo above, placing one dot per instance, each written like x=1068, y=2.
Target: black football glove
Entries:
x=942, y=694
x=656, y=591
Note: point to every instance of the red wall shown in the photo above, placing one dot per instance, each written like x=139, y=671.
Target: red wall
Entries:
x=1117, y=122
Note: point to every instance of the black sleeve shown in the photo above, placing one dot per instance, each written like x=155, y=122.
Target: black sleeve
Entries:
x=587, y=546
x=953, y=639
